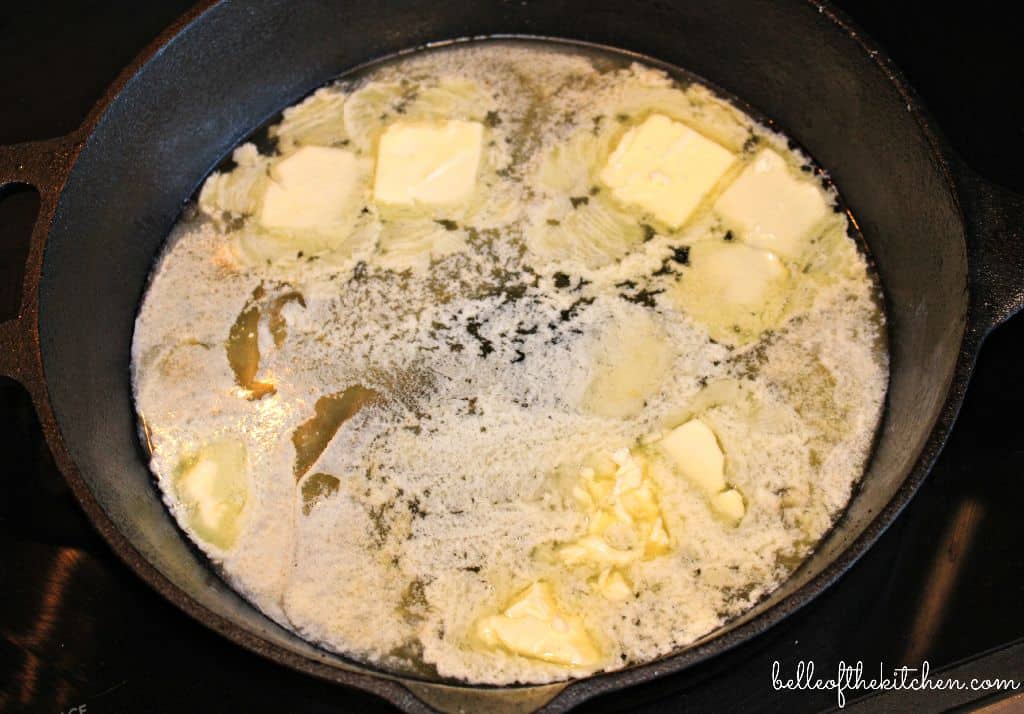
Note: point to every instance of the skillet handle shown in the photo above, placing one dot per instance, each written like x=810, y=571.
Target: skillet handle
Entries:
x=995, y=225
x=44, y=166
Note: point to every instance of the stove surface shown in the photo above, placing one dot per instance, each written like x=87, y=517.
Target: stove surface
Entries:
x=79, y=632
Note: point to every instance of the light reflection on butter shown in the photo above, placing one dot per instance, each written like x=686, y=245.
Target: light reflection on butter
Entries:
x=534, y=626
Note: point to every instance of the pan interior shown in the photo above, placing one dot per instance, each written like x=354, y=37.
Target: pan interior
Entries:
x=463, y=381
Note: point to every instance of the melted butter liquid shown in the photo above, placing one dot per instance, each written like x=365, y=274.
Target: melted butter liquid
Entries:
x=243, y=350
x=311, y=437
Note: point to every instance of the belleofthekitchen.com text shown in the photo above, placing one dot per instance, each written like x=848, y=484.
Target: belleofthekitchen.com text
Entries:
x=851, y=678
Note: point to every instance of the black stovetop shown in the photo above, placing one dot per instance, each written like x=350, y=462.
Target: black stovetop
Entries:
x=945, y=583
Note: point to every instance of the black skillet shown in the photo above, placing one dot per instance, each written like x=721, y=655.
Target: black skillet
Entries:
x=949, y=249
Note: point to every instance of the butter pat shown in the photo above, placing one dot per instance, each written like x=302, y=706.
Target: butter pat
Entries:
x=694, y=450
x=534, y=626
x=771, y=209
x=310, y=190
x=665, y=168
x=424, y=163
x=214, y=490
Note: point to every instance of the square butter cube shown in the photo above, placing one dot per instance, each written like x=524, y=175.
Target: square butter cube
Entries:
x=433, y=164
x=310, y=190
x=665, y=168
x=694, y=449
x=771, y=209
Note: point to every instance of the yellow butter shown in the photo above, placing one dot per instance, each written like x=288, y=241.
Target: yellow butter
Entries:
x=595, y=550
x=428, y=163
x=623, y=503
x=739, y=275
x=214, y=489
x=665, y=168
x=613, y=585
x=310, y=190
x=534, y=626
x=729, y=505
x=694, y=450
x=735, y=290
x=771, y=209
x=629, y=368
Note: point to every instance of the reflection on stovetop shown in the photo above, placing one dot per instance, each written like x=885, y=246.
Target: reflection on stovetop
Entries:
x=944, y=583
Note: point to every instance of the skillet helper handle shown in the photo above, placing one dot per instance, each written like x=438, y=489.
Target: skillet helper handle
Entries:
x=42, y=165
x=995, y=224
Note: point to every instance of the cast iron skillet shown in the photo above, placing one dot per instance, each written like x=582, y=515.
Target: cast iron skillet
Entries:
x=949, y=249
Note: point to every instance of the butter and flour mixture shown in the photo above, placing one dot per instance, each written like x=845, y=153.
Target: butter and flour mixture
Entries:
x=509, y=363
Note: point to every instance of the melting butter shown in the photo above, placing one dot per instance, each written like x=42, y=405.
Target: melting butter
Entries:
x=213, y=486
x=771, y=209
x=428, y=163
x=318, y=120
x=665, y=168
x=736, y=291
x=694, y=451
x=624, y=521
x=311, y=191
x=236, y=193
x=613, y=585
x=543, y=196
x=730, y=505
x=534, y=626
x=630, y=367
x=330, y=412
